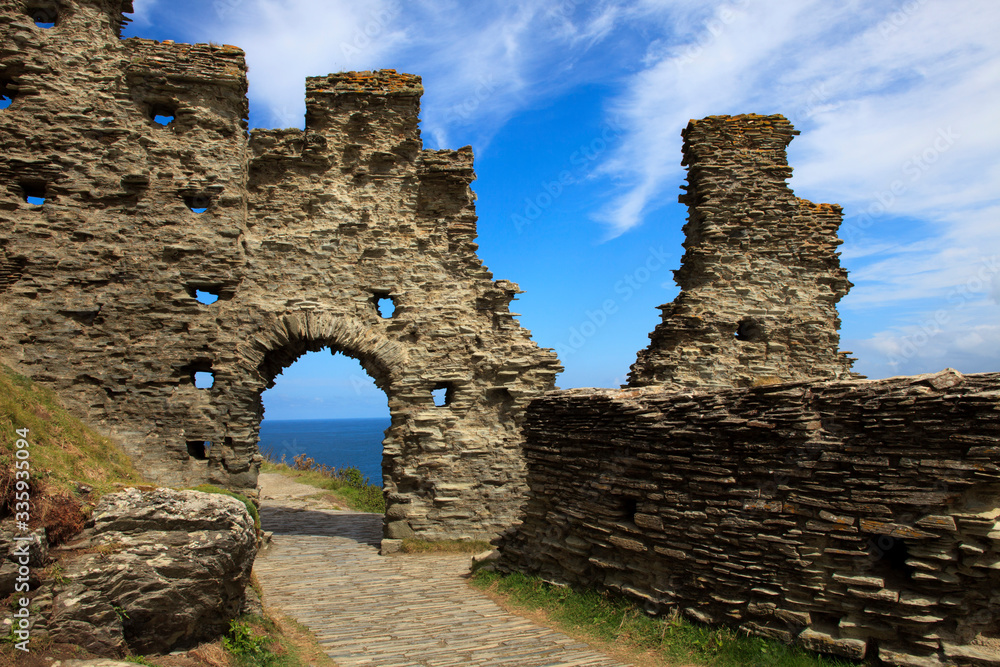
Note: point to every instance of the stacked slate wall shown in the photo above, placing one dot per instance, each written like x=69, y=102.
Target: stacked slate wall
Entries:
x=854, y=517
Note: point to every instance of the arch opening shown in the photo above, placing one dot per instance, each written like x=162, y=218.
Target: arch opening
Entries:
x=325, y=409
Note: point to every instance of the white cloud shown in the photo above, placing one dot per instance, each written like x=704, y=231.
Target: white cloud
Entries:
x=142, y=11
x=897, y=112
x=289, y=40
x=483, y=65
x=963, y=337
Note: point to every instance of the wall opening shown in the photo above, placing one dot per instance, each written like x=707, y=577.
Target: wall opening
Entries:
x=163, y=119
x=443, y=394
x=33, y=192
x=385, y=305
x=326, y=406
x=750, y=330
x=198, y=203
x=629, y=506
x=198, y=449
x=201, y=373
x=44, y=17
x=206, y=296
x=8, y=86
x=889, y=555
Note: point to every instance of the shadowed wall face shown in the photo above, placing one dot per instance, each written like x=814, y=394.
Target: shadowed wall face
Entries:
x=761, y=275
x=131, y=185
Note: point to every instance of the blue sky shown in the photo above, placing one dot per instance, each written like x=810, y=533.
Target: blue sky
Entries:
x=575, y=110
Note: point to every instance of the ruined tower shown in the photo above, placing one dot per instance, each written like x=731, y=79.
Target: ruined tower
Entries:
x=761, y=276
x=129, y=183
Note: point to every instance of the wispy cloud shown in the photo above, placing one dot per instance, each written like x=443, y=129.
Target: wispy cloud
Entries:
x=288, y=40
x=143, y=10
x=896, y=103
x=486, y=61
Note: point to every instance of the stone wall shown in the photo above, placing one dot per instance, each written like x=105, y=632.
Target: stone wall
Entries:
x=761, y=275
x=855, y=517
x=300, y=235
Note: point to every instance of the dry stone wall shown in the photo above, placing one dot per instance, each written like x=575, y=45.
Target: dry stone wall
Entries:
x=300, y=235
x=761, y=275
x=855, y=517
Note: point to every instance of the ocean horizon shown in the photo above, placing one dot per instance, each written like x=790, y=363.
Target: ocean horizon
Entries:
x=333, y=442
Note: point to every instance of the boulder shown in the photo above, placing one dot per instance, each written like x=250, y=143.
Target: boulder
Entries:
x=158, y=571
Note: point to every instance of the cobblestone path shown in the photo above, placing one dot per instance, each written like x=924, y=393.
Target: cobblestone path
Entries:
x=323, y=569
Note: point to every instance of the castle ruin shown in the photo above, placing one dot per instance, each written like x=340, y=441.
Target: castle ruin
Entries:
x=746, y=476
x=299, y=234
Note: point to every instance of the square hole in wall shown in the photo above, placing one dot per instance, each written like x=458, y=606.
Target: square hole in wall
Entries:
x=44, y=16
x=198, y=203
x=33, y=192
x=198, y=449
x=208, y=293
x=443, y=394
x=750, y=330
x=204, y=379
x=385, y=305
x=206, y=296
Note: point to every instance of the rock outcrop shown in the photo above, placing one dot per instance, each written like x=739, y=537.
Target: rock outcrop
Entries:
x=157, y=571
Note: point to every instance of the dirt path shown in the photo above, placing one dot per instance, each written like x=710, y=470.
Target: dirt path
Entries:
x=323, y=569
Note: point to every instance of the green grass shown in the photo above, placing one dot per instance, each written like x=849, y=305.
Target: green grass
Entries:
x=261, y=641
x=64, y=452
x=347, y=484
x=621, y=625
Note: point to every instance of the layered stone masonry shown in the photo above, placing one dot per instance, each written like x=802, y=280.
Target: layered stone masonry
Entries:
x=855, y=517
x=761, y=275
x=154, y=191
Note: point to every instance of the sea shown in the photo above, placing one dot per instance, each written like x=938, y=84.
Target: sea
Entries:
x=334, y=442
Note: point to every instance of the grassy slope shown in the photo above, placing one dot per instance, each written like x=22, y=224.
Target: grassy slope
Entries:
x=64, y=452
x=358, y=494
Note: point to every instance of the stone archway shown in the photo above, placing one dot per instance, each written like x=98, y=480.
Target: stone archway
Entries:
x=381, y=359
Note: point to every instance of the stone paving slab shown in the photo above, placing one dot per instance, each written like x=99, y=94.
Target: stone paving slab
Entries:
x=323, y=569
